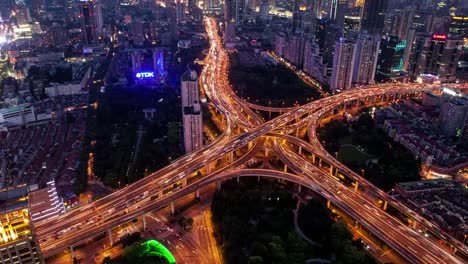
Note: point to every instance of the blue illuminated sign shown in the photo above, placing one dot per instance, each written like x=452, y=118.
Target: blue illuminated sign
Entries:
x=142, y=75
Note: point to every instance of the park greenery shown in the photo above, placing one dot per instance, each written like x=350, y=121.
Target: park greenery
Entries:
x=365, y=148
x=270, y=85
x=253, y=223
x=115, y=125
x=336, y=242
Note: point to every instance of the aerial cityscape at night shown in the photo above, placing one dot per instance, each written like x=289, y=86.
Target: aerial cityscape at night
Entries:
x=233, y=131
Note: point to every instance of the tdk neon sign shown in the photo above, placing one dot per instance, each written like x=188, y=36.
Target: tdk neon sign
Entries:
x=142, y=75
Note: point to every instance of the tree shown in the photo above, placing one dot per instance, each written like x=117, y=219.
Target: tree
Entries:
x=296, y=247
x=277, y=252
x=255, y=260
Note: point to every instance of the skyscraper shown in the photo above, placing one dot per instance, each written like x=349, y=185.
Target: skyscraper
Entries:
x=367, y=52
x=435, y=54
x=338, y=10
x=91, y=20
x=374, y=15
x=343, y=62
x=390, y=62
x=191, y=109
x=235, y=9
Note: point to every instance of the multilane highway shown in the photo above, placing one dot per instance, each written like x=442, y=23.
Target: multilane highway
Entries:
x=178, y=179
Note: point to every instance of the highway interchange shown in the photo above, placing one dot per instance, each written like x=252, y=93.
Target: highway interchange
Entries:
x=178, y=179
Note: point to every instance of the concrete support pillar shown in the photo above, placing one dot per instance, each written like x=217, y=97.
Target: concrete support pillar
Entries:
x=208, y=168
x=72, y=252
x=285, y=168
x=328, y=203
x=300, y=150
x=160, y=194
x=258, y=178
x=172, y=208
x=385, y=204
x=231, y=157
x=144, y=222
x=269, y=114
x=331, y=170
x=197, y=193
x=109, y=233
x=218, y=185
x=313, y=158
x=299, y=187
x=266, y=152
x=184, y=182
x=297, y=132
x=413, y=224
x=357, y=103
x=320, y=163
x=238, y=179
x=356, y=186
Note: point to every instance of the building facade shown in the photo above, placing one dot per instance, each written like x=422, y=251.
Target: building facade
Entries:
x=343, y=64
x=192, y=119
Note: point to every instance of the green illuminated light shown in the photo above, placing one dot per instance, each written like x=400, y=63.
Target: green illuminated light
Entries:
x=154, y=248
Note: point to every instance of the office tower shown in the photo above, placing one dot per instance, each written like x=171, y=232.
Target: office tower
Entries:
x=367, y=51
x=338, y=10
x=316, y=7
x=91, y=20
x=22, y=15
x=137, y=33
x=458, y=27
x=436, y=54
x=398, y=23
x=390, y=62
x=343, y=62
x=264, y=10
x=37, y=7
x=410, y=36
x=148, y=66
x=374, y=15
x=191, y=109
x=18, y=243
x=351, y=23
x=180, y=12
x=235, y=9
x=230, y=34
x=422, y=21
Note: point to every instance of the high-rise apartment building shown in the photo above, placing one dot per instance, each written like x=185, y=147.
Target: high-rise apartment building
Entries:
x=313, y=62
x=367, y=52
x=343, y=64
x=191, y=109
x=91, y=20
